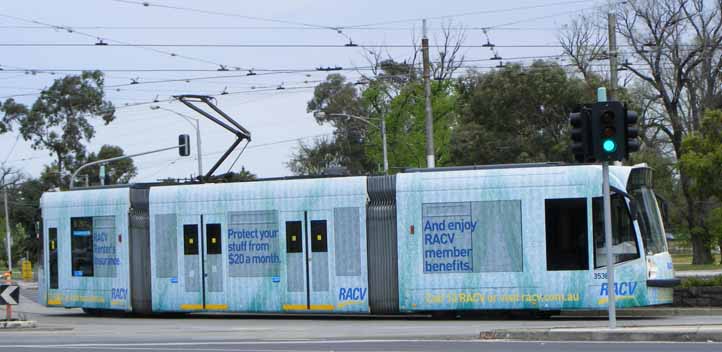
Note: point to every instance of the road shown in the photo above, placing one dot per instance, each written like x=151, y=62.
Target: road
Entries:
x=71, y=330
x=369, y=345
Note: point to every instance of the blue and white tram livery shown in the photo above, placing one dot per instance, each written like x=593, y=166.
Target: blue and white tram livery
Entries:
x=476, y=238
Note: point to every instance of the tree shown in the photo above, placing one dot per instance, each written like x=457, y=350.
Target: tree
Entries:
x=516, y=115
x=673, y=51
x=702, y=161
x=335, y=98
x=313, y=159
x=117, y=172
x=405, y=123
x=678, y=43
x=60, y=119
x=240, y=176
x=392, y=91
x=11, y=181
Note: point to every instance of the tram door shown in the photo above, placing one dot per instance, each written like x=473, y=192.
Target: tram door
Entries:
x=52, y=271
x=307, y=261
x=203, y=267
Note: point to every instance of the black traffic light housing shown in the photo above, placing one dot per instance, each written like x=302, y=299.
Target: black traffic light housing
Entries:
x=608, y=131
x=581, y=134
x=604, y=131
x=631, y=133
x=184, y=145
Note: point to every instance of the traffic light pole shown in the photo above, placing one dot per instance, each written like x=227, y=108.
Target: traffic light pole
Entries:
x=611, y=294
x=608, y=246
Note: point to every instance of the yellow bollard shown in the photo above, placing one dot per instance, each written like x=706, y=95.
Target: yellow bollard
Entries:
x=27, y=270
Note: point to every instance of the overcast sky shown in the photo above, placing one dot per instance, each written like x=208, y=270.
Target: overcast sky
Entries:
x=276, y=118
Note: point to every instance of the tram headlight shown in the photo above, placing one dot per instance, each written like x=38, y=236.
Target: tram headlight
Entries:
x=651, y=268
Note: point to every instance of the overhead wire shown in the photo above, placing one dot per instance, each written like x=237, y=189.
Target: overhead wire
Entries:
x=225, y=28
x=117, y=42
x=224, y=14
x=481, y=12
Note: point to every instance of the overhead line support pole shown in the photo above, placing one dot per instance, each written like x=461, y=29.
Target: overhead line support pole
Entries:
x=430, y=159
x=613, y=53
x=8, y=237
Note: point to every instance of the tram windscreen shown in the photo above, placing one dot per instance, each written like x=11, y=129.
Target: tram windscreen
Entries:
x=650, y=221
x=624, y=239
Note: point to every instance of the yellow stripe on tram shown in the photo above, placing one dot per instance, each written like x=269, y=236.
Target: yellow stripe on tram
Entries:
x=191, y=307
x=216, y=307
x=327, y=307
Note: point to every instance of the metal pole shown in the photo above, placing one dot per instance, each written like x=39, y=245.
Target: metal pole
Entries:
x=200, y=154
x=608, y=246
x=430, y=159
x=612, y=23
x=75, y=174
x=611, y=294
x=8, y=237
x=383, y=141
x=197, y=127
x=102, y=174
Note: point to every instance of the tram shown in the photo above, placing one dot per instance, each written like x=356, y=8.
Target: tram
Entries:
x=506, y=237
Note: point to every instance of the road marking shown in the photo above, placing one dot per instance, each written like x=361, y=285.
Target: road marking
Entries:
x=212, y=343
x=176, y=346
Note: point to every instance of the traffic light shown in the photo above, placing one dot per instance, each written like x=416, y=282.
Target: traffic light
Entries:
x=184, y=145
x=631, y=133
x=608, y=131
x=581, y=137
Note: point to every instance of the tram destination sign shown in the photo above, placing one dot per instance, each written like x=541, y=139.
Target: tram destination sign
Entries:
x=9, y=294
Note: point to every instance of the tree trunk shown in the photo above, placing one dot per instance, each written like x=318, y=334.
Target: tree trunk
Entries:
x=701, y=251
x=60, y=171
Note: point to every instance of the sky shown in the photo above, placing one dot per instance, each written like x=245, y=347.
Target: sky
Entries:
x=183, y=44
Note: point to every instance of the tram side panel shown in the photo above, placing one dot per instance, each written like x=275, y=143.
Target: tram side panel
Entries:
x=271, y=246
x=85, y=246
x=477, y=240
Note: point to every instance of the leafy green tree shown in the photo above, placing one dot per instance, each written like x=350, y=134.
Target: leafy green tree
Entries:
x=405, y=123
x=335, y=98
x=18, y=235
x=516, y=115
x=60, y=119
x=702, y=160
x=240, y=176
x=117, y=172
x=313, y=159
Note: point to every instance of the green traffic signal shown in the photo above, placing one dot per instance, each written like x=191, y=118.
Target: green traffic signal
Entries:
x=609, y=146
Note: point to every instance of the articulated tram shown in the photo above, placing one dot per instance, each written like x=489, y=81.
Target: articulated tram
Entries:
x=448, y=239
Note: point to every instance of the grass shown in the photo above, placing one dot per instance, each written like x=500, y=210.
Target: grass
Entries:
x=684, y=262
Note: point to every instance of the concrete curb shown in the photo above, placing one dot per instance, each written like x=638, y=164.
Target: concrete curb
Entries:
x=18, y=324
x=648, y=334
x=646, y=312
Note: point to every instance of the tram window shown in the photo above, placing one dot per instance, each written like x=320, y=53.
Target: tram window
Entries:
x=105, y=257
x=347, y=241
x=53, y=250
x=624, y=239
x=213, y=238
x=294, y=240
x=319, y=240
x=81, y=244
x=166, y=246
x=190, y=239
x=566, y=234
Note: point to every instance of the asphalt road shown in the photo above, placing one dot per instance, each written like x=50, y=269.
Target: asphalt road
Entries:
x=71, y=330
x=369, y=345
